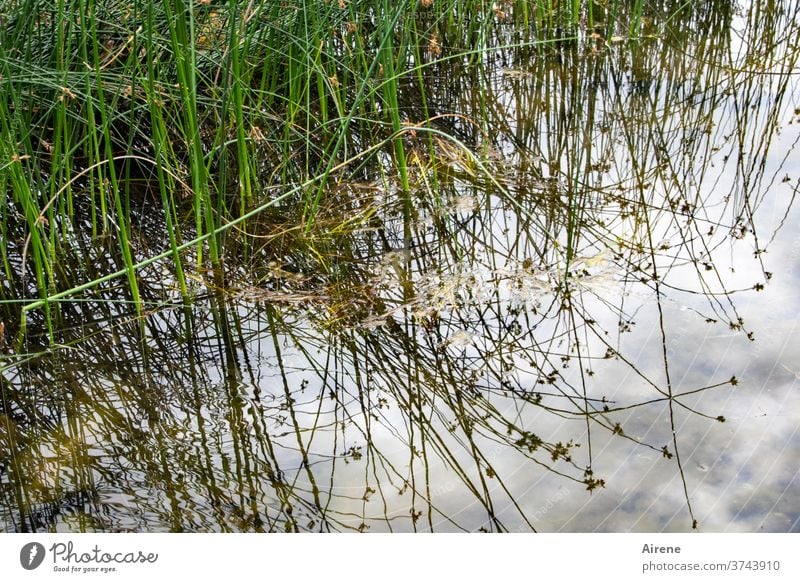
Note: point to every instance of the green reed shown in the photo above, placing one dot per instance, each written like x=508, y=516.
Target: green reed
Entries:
x=207, y=111
x=237, y=124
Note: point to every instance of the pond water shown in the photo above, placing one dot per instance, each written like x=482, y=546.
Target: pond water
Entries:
x=589, y=325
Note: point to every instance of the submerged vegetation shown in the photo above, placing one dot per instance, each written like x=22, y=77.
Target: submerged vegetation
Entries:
x=325, y=263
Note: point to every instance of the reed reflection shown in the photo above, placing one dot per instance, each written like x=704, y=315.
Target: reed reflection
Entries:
x=429, y=365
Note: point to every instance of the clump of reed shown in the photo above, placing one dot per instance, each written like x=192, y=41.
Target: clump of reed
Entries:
x=209, y=112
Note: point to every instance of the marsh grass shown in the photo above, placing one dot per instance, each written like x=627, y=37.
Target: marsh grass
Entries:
x=403, y=194
x=205, y=111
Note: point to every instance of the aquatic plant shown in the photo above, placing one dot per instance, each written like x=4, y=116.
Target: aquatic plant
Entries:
x=209, y=111
x=322, y=265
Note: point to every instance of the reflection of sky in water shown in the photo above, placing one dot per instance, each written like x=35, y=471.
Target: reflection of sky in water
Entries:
x=741, y=474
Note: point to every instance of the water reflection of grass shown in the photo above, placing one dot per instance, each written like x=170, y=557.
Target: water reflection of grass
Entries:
x=496, y=211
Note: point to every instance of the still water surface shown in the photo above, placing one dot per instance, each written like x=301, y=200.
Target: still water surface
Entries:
x=596, y=333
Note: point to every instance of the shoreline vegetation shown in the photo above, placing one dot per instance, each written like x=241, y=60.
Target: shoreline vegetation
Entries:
x=218, y=112
x=262, y=262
